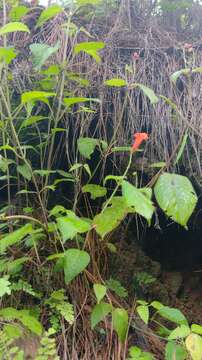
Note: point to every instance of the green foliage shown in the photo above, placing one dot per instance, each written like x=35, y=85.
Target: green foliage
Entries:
x=24, y=317
x=4, y=286
x=60, y=306
x=41, y=52
x=194, y=346
x=7, y=55
x=86, y=146
x=47, y=349
x=71, y=225
x=137, y=354
x=116, y=286
x=116, y=82
x=48, y=14
x=120, y=323
x=99, y=312
x=110, y=217
x=179, y=199
x=8, y=350
x=143, y=312
x=100, y=291
x=174, y=351
x=14, y=237
x=75, y=261
x=96, y=191
x=91, y=48
x=137, y=200
x=13, y=27
x=17, y=12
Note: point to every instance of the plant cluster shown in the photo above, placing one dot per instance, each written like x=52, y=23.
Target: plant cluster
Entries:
x=52, y=256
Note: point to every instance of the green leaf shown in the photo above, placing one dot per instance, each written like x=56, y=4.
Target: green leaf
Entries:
x=96, y=191
x=24, y=170
x=116, y=178
x=29, y=321
x=179, y=199
x=100, y=311
x=4, y=286
x=194, y=346
x=136, y=199
x=86, y=146
x=148, y=92
x=173, y=315
x=14, y=237
x=156, y=305
x=32, y=96
x=181, y=149
x=17, y=12
x=111, y=217
x=178, y=73
x=48, y=14
x=196, y=329
x=116, y=286
x=41, y=52
x=143, y=312
x=13, y=27
x=76, y=100
x=87, y=2
x=100, y=291
x=91, y=48
x=69, y=226
x=12, y=331
x=158, y=165
x=120, y=323
x=180, y=332
x=32, y=120
x=174, y=351
x=74, y=262
x=116, y=82
x=7, y=54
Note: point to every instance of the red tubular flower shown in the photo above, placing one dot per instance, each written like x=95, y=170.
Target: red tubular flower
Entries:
x=139, y=138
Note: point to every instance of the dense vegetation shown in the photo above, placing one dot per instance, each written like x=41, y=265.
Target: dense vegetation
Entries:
x=75, y=126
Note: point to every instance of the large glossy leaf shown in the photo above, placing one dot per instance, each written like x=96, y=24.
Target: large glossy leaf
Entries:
x=138, y=200
x=41, y=52
x=13, y=27
x=74, y=262
x=48, y=14
x=176, y=197
x=194, y=346
x=96, y=191
x=100, y=311
x=120, y=323
x=69, y=226
x=32, y=96
x=91, y=48
x=111, y=217
x=7, y=54
x=86, y=146
x=14, y=237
